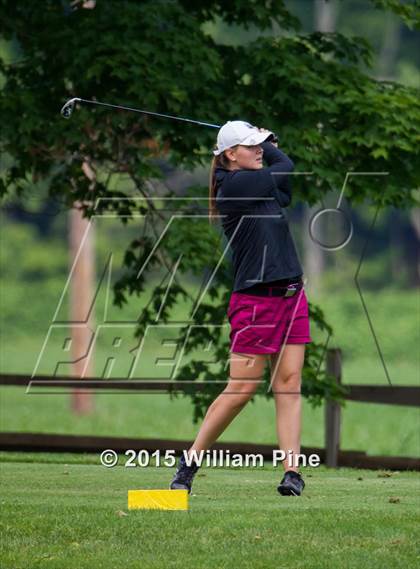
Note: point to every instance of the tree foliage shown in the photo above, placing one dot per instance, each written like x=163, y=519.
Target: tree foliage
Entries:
x=409, y=11
x=329, y=116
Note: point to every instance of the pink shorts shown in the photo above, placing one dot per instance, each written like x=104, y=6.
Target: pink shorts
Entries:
x=262, y=324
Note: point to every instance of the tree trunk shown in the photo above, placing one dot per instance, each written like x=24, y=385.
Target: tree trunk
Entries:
x=385, y=68
x=81, y=305
x=325, y=18
x=396, y=244
x=415, y=224
x=325, y=15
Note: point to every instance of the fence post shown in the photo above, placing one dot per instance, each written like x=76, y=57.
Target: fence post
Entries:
x=332, y=411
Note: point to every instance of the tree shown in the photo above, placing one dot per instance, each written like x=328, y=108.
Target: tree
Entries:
x=325, y=16
x=330, y=117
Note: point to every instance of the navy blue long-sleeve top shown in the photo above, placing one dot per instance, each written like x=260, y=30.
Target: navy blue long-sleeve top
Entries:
x=250, y=203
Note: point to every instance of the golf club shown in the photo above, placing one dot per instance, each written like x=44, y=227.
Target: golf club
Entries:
x=68, y=108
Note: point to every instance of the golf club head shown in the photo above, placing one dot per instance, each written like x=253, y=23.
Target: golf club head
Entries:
x=68, y=108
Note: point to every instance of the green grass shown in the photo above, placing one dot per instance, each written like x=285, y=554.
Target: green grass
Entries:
x=65, y=513
x=376, y=429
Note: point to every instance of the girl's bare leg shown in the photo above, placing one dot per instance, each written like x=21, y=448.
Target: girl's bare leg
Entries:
x=246, y=372
x=286, y=375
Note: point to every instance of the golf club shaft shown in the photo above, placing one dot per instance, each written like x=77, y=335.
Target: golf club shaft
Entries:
x=68, y=107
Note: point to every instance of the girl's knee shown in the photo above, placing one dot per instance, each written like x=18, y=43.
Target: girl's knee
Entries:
x=238, y=393
x=239, y=400
x=288, y=381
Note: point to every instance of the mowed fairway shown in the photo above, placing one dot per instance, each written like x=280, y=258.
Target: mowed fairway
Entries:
x=67, y=511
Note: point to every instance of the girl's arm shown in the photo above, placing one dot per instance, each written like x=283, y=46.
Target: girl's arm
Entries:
x=272, y=180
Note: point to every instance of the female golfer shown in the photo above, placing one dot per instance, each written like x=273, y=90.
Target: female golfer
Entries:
x=268, y=309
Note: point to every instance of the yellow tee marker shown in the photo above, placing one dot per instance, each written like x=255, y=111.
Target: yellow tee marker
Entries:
x=158, y=499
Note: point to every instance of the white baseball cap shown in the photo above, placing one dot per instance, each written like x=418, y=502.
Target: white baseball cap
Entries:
x=239, y=132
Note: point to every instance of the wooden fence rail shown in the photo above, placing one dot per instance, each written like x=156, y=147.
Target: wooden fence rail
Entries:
x=391, y=395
